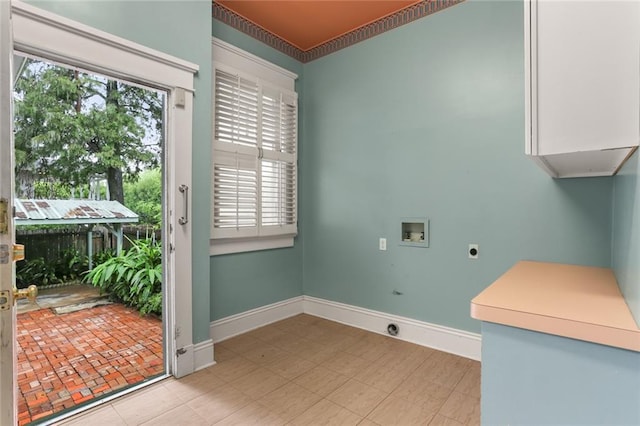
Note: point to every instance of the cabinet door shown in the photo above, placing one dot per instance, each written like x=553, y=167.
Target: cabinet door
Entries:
x=585, y=75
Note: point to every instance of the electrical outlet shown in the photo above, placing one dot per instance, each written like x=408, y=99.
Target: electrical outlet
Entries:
x=474, y=251
x=383, y=244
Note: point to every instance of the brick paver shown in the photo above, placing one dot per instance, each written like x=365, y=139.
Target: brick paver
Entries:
x=64, y=360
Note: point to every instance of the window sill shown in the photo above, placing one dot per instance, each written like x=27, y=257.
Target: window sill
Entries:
x=242, y=245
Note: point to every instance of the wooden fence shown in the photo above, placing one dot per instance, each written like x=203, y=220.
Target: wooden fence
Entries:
x=50, y=244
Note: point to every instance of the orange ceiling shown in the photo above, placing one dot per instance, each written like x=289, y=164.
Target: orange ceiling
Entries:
x=310, y=23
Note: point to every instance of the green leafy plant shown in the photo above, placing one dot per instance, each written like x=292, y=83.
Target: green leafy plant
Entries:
x=103, y=256
x=69, y=267
x=134, y=277
x=153, y=305
x=36, y=271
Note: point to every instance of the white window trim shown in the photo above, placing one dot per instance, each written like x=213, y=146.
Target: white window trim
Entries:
x=242, y=245
x=235, y=57
x=228, y=57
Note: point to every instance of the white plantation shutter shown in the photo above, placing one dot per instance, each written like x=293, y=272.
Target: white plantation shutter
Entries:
x=278, y=197
x=235, y=195
x=289, y=125
x=270, y=125
x=235, y=109
x=279, y=161
x=254, y=157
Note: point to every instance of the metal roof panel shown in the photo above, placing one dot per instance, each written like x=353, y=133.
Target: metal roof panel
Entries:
x=29, y=212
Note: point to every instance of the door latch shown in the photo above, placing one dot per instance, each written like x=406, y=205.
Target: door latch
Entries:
x=4, y=216
x=30, y=293
x=4, y=254
x=5, y=300
x=18, y=252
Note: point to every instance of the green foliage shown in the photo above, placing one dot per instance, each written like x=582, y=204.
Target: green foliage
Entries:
x=68, y=268
x=36, y=271
x=144, y=197
x=134, y=277
x=72, y=265
x=103, y=256
x=70, y=126
x=51, y=190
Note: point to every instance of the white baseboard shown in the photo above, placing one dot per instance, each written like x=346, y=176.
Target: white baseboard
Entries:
x=446, y=339
x=246, y=321
x=203, y=355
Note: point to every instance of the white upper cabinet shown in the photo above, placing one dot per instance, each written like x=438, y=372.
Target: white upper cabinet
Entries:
x=582, y=94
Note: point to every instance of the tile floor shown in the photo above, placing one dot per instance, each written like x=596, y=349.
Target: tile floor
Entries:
x=309, y=371
x=68, y=359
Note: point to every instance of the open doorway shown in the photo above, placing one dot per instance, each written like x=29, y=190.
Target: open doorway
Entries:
x=89, y=187
x=29, y=30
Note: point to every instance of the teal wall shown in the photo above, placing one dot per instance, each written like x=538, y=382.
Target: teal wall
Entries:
x=427, y=120
x=626, y=233
x=240, y=282
x=182, y=29
x=531, y=378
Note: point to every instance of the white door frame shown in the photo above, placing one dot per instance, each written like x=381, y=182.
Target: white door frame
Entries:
x=8, y=377
x=44, y=34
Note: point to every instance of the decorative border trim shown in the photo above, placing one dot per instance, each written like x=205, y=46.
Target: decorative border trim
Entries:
x=233, y=325
x=435, y=336
x=397, y=19
x=242, y=24
x=203, y=355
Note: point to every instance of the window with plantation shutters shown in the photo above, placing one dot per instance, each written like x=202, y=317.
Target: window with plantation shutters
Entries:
x=254, y=190
x=279, y=159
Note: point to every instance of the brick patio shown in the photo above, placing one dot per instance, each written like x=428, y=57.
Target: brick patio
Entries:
x=68, y=359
